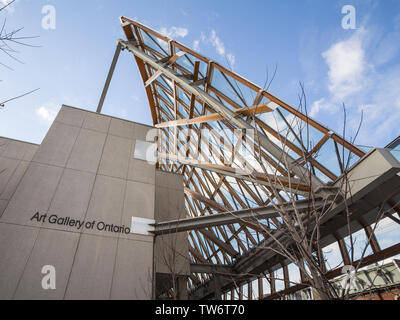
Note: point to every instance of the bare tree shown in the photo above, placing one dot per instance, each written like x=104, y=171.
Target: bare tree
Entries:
x=296, y=234
x=9, y=40
x=172, y=258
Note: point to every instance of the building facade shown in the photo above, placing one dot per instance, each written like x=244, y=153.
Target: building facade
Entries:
x=79, y=206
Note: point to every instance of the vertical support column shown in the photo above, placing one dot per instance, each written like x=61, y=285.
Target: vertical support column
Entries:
x=286, y=276
x=374, y=242
x=217, y=283
x=272, y=282
x=109, y=77
x=260, y=288
x=303, y=277
x=370, y=235
x=241, y=293
x=182, y=288
x=250, y=290
x=343, y=252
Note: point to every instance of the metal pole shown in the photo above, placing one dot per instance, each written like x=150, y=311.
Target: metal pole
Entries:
x=109, y=77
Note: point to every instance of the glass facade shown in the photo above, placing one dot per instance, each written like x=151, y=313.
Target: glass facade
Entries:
x=215, y=123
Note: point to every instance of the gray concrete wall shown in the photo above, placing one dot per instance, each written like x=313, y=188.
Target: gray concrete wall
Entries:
x=15, y=157
x=171, y=258
x=171, y=251
x=84, y=170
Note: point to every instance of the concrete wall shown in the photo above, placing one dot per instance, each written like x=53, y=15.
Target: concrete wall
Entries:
x=14, y=160
x=171, y=250
x=171, y=259
x=84, y=170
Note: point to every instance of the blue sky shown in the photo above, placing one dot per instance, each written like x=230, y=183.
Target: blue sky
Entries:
x=305, y=39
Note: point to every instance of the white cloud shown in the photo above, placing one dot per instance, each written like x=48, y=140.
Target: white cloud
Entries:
x=196, y=45
x=203, y=37
x=322, y=105
x=217, y=43
x=214, y=40
x=347, y=65
x=46, y=114
x=364, y=74
x=174, y=32
x=231, y=59
x=382, y=110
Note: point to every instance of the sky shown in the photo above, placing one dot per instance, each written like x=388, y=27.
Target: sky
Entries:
x=304, y=39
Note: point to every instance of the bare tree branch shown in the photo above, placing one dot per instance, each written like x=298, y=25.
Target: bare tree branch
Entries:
x=7, y=42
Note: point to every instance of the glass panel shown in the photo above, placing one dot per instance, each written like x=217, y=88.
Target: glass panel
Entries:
x=184, y=97
x=245, y=292
x=165, y=108
x=387, y=233
x=255, y=293
x=321, y=176
x=187, y=62
x=396, y=154
x=366, y=149
x=360, y=243
x=279, y=283
x=394, y=144
x=182, y=111
x=328, y=158
x=164, y=95
x=266, y=286
x=240, y=94
x=166, y=83
x=333, y=256
x=197, y=109
x=157, y=45
x=347, y=157
x=294, y=274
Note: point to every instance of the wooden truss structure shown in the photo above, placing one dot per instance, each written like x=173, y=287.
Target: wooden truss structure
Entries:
x=188, y=95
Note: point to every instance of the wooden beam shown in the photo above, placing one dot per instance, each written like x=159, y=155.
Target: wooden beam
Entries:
x=222, y=245
x=279, y=182
x=211, y=203
x=141, y=66
x=215, y=116
x=197, y=254
x=158, y=73
x=152, y=78
x=211, y=268
x=193, y=97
